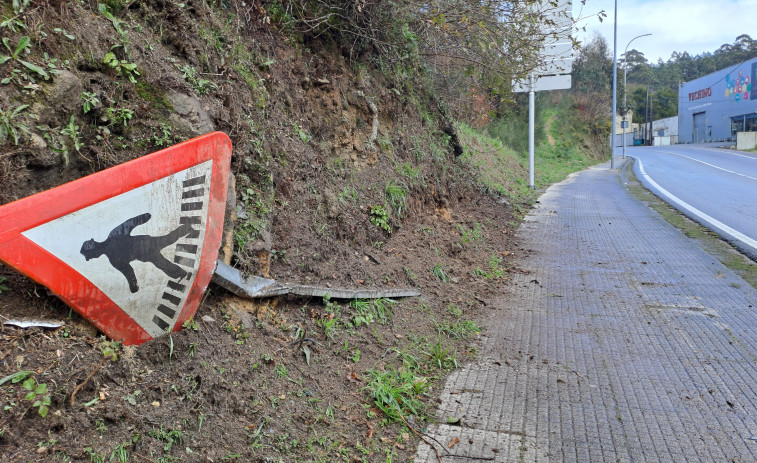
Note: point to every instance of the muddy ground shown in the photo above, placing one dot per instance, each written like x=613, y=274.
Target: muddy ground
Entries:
x=238, y=383
x=285, y=379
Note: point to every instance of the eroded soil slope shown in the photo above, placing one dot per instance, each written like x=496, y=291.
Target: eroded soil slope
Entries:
x=345, y=175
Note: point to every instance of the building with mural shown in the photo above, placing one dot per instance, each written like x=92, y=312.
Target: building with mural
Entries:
x=717, y=106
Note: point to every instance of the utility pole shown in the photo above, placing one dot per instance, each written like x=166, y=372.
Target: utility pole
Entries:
x=646, y=117
x=614, y=87
x=651, y=118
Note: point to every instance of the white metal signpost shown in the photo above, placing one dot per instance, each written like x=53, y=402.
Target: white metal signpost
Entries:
x=554, y=74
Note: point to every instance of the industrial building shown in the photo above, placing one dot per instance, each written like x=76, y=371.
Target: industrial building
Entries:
x=719, y=105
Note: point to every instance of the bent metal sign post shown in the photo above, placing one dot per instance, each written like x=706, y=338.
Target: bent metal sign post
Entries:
x=132, y=248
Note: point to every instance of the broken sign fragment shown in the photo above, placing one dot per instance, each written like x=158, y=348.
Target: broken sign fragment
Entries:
x=24, y=324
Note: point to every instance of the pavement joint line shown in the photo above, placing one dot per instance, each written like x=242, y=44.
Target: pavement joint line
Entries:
x=734, y=234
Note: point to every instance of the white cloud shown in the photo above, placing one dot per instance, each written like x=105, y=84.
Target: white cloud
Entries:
x=695, y=26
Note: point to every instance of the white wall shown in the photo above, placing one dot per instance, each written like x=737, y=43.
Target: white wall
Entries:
x=669, y=126
x=746, y=140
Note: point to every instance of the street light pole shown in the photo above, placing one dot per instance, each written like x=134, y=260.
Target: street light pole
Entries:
x=625, y=90
x=614, y=87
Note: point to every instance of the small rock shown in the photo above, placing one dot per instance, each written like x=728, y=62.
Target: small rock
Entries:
x=38, y=142
x=190, y=113
x=207, y=319
x=156, y=404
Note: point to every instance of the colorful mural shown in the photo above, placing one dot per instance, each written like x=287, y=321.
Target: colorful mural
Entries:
x=739, y=87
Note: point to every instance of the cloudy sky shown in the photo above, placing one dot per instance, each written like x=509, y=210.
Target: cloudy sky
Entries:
x=695, y=26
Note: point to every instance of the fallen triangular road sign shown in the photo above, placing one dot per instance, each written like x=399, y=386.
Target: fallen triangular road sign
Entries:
x=131, y=248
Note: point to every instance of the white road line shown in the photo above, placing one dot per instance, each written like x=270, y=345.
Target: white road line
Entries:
x=710, y=165
x=712, y=221
x=725, y=152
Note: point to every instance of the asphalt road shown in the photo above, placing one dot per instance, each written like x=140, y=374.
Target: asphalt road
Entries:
x=716, y=187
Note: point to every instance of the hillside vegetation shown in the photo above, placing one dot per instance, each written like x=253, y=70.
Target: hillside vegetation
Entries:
x=360, y=159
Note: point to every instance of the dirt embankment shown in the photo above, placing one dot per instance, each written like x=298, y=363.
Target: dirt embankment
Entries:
x=344, y=176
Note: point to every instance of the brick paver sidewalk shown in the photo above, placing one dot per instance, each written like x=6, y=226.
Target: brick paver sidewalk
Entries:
x=622, y=341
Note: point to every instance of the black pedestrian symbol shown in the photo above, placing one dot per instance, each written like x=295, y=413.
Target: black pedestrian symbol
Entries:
x=121, y=248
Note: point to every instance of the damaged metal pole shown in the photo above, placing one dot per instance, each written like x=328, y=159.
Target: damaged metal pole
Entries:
x=253, y=287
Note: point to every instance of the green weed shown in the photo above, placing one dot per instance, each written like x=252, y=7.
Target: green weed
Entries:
x=120, y=453
x=280, y=371
x=38, y=395
x=397, y=393
x=21, y=49
x=65, y=34
x=329, y=320
x=131, y=399
x=171, y=437
x=380, y=218
x=302, y=134
x=200, y=85
x=495, y=270
x=455, y=310
x=461, y=329
x=71, y=130
x=94, y=456
x=163, y=136
x=122, y=67
x=438, y=271
x=119, y=116
x=89, y=101
x=368, y=311
x=347, y=194
x=442, y=357
x=100, y=427
x=191, y=324
x=407, y=170
x=469, y=234
x=11, y=125
x=396, y=194
x=123, y=38
x=14, y=23
x=110, y=349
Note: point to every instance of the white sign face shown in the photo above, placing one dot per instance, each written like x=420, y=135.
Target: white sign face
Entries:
x=141, y=248
x=545, y=83
x=556, y=53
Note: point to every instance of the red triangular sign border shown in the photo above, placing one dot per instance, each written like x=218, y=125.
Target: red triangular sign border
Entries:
x=28, y=258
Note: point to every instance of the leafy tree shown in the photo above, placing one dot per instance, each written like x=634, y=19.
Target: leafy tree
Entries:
x=592, y=69
x=635, y=58
x=664, y=103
